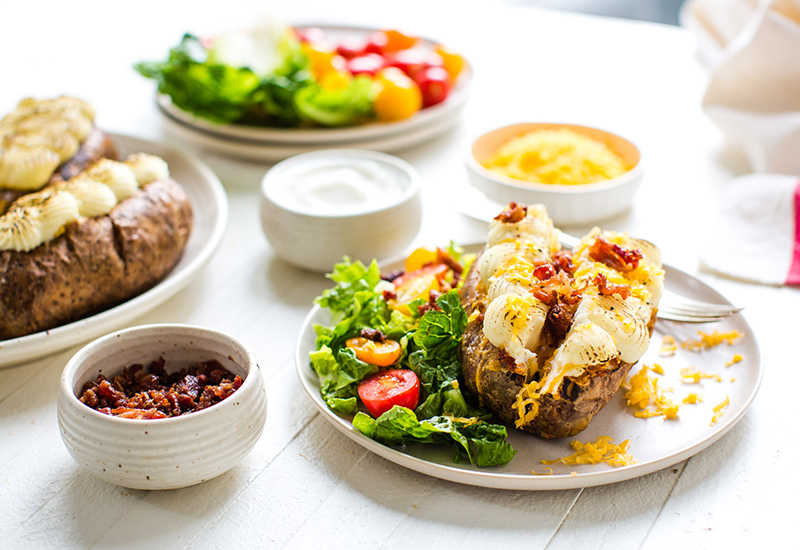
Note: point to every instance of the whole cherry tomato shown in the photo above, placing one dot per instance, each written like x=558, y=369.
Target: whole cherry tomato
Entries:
x=382, y=391
x=398, y=96
x=434, y=83
x=414, y=60
x=382, y=354
x=369, y=64
x=453, y=62
x=351, y=46
x=377, y=42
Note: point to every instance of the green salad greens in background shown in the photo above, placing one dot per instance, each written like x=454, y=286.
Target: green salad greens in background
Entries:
x=430, y=345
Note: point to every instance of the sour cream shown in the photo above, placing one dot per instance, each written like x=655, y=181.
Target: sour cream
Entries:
x=333, y=186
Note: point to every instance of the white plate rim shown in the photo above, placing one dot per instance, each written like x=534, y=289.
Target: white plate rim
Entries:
x=40, y=344
x=489, y=477
x=323, y=136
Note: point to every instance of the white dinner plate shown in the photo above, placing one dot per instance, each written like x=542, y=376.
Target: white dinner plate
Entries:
x=275, y=153
x=655, y=443
x=210, y=211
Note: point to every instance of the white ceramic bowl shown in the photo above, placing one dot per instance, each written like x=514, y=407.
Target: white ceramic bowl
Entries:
x=165, y=453
x=317, y=238
x=566, y=204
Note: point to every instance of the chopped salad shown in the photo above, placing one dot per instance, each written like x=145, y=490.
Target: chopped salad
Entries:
x=391, y=356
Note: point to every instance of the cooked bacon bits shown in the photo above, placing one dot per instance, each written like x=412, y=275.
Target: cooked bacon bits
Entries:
x=392, y=275
x=136, y=393
x=549, y=290
x=562, y=261
x=373, y=334
x=559, y=320
x=614, y=256
x=431, y=305
x=607, y=289
x=515, y=213
x=544, y=272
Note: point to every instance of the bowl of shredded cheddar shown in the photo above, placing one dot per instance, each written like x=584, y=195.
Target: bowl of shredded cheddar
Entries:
x=580, y=174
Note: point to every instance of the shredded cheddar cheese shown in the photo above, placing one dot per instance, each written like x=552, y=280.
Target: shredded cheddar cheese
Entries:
x=719, y=410
x=527, y=404
x=643, y=392
x=602, y=450
x=547, y=472
x=668, y=346
x=707, y=341
x=690, y=375
x=657, y=368
x=693, y=398
x=736, y=358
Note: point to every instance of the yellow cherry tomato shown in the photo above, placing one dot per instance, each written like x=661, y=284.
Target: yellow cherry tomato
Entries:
x=416, y=285
x=335, y=80
x=453, y=62
x=382, y=354
x=421, y=256
x=398, y=97
x=321, y=57
x=396, y=41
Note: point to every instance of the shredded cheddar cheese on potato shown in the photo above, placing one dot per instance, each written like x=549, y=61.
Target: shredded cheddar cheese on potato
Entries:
x=736, y=359
x=719, y=410
x=527, y=404
x=602, y=450
x=690, y=375
x=707, y=341
x=668, y=346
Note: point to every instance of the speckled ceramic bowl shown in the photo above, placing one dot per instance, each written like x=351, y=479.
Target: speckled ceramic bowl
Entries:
x=566, y=204
x=316, y=240
x=165, y=453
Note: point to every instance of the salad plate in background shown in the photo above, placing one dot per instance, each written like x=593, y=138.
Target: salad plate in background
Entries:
x=654, y=442
x=241, y=119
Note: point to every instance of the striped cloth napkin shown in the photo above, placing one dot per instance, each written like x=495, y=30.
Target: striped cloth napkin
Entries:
x=757, y=236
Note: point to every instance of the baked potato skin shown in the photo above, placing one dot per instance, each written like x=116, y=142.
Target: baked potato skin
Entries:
x=96, y=263
x=562, y=416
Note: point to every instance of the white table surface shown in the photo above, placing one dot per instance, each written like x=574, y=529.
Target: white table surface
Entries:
x=306, y=485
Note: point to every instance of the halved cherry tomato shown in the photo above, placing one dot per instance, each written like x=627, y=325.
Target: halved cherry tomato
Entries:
x=396, y=41
x=417, y=285
x=382, y=391
x=420, y=257
x=398, y=97
x=453, y=62
x=434, y=83
x=366, y=64
x=413, y=60
x=381, y=354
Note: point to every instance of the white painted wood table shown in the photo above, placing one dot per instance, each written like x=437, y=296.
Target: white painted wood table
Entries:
x=306, y=485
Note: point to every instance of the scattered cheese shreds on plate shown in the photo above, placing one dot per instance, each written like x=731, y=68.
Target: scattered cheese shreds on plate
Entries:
x=719, y=410
x=547, y=472
x=707, y=341
x=602, y=450
x=643, y=392
x=690, y=375
x=668, y=346
x=736, y=359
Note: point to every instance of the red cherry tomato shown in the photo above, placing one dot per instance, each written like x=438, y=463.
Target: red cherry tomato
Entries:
x=365, y=64
x=351, y=46
x=310, y=34
x=382, y=391
x=414, y=60
x=377, y=42
x=434, y=83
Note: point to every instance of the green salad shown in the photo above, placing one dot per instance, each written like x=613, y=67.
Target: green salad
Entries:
x=415, y=324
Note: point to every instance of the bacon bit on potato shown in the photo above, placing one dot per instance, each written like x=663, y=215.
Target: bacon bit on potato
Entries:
x=514, y=214
x=614, y=255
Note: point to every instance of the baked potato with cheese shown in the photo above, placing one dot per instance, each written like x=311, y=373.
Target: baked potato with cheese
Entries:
x=552, y=333
x=81, y=246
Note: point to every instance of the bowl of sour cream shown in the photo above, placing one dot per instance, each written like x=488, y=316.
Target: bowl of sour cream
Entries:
x=319, y=207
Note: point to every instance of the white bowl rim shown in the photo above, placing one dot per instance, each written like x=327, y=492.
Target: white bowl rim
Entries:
x=68, y=374
x=552, y=188
x=406, y=167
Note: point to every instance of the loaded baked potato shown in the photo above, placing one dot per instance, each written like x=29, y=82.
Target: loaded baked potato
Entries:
x=552, y=333
x=87, y=244
x=47, y=141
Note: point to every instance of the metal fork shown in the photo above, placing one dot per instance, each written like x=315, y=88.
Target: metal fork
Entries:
x=674, y=307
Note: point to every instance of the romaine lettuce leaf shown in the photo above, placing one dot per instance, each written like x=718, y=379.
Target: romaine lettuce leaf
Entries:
x=339, y=107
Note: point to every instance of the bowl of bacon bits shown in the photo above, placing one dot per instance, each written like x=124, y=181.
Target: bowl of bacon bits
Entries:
x=161, y=406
